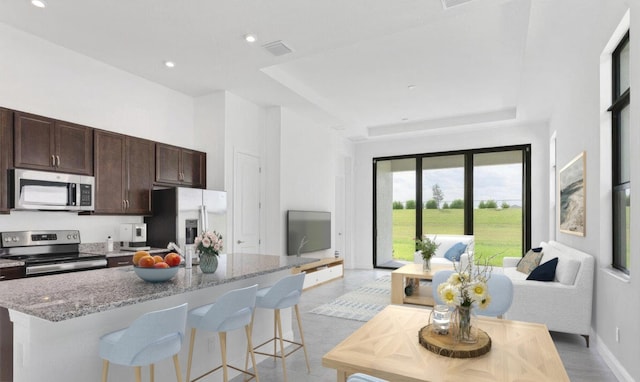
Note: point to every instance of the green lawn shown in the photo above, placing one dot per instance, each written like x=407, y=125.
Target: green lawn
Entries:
x=497, y=232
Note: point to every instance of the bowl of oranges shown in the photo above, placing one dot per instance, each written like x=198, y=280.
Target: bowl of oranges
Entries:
x=156, y=268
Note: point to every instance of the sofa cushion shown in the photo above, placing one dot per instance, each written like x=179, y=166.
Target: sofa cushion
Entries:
x=530, y=261
x=567, y=271
x=545, y=271
x=455, y=251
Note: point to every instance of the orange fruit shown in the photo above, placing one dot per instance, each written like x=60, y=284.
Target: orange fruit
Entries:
x=158, y=259
x=138, y=255
x=161, y=264
x=173, y=259
x=146, y=262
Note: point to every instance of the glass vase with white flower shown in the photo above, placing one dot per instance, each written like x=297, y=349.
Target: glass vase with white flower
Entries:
x=465, y=290
x=208, y=246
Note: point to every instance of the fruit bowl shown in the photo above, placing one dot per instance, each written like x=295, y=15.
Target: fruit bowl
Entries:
x=156, y=275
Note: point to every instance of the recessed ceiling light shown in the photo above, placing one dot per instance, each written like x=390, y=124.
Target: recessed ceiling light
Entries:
x=38, y=3
x=250, y=38
x=405, y=119
x=169, y=64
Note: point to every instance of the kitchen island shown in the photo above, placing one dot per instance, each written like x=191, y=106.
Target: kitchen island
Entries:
x=59, y=319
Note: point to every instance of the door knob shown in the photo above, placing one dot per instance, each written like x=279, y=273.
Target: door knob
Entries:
x=240, y=241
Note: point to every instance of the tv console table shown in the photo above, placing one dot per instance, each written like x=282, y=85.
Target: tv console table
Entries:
x=321, y=271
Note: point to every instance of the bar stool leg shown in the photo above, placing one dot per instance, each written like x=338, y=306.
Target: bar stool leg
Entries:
x=105, y=370
x=253, y=355
x=193, y=338
x=152, y=373
x=275, y=333
x=138, y=372
x=223, y=353
x=279, y=323
x=176, y=365
x=249, y=347
x=304, y=347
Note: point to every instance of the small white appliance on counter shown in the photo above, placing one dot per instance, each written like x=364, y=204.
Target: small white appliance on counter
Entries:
x=134, y=237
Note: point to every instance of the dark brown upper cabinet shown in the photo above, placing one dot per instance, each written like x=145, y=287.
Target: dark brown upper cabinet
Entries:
x=42, y=143
x=124, y=171
x=180, y=167
x=6, y=156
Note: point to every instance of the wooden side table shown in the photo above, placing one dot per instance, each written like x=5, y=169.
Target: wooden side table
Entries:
x=413, y=273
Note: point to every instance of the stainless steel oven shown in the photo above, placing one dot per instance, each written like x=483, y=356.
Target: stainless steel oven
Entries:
x=47, y=252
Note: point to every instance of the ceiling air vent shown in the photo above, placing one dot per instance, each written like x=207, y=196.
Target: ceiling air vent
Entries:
x=277, y=48
x=446, y=4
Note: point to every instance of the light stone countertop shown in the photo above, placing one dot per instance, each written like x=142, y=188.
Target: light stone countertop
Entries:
x=69, y=295
x=6, y=263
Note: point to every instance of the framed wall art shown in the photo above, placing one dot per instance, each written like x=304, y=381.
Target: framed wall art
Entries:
x=572, y=183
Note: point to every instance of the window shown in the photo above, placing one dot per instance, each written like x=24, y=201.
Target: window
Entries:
x=621, y=186
x=480, y=192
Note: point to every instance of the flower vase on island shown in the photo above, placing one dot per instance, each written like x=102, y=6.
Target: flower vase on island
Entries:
x=208, y=247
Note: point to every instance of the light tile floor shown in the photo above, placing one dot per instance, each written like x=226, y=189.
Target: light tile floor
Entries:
x=322, y=333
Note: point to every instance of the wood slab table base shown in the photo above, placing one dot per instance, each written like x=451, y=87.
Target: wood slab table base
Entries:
x=387, y=347
x=446, y=346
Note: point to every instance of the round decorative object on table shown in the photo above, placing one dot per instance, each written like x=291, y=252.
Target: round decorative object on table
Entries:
x=208, y=263
x=446, y=345
x=408, y=290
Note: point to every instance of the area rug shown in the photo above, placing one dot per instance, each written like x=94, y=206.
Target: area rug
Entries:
x=361, y=304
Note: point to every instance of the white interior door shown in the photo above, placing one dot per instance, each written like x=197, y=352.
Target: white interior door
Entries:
x=246, y=204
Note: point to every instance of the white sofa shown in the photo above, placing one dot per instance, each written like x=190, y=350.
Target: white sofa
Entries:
x=446, y=242
x=564, y=305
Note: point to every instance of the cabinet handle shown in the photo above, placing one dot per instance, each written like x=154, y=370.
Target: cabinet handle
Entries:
x=58, y=158
x=128, y=204
x=3, y=277
x=53, y=161
x=124, y=204
x=124, y=262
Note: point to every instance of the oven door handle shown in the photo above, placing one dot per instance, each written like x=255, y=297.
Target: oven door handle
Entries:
x=50, y=268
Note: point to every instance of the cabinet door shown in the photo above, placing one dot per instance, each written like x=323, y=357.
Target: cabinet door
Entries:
x=119, y=261
x=140, y=171
x=33, y=141
x=193, y=168
x=168, y=164
x=6, y=156
x=10, y=273
x=73, y=148
x=109, y=157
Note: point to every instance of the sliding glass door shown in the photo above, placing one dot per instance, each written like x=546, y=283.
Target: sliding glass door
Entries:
x=395, y=211
x=498, y=197
x=482, y=192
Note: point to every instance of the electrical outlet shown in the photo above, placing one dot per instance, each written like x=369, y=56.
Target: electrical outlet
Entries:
x=617, y=334
x=212, y=344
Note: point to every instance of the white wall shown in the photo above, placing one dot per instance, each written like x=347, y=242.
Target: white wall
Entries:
x=582, y=125
x=42, y=78
x=311, y=157
x=438, y=141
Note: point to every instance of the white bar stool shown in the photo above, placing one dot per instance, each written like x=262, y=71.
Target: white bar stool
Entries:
x=283, y=294
x=361, y=377
x=231, y=311
x=152, y=337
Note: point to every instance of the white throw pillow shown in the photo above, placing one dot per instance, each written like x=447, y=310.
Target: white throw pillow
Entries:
x=567, y=270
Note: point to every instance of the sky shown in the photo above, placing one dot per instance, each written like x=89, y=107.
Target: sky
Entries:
x=500, y=183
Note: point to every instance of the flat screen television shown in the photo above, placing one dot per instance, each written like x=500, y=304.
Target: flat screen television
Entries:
x=308, y=231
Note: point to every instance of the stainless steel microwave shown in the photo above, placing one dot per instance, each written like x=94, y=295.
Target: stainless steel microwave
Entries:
x=41, y=190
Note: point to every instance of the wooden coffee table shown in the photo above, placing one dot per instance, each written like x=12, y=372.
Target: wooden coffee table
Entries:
x=387, y=347
x=413, y=273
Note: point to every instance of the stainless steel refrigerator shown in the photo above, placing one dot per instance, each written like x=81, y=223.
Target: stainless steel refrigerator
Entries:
x=180, y=214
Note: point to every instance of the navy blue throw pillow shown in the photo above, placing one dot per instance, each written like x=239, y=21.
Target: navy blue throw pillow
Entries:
x=545, y=271
x=455, y=252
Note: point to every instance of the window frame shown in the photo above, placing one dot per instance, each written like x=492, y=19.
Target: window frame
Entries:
x=620, y=100
x=468, y=193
